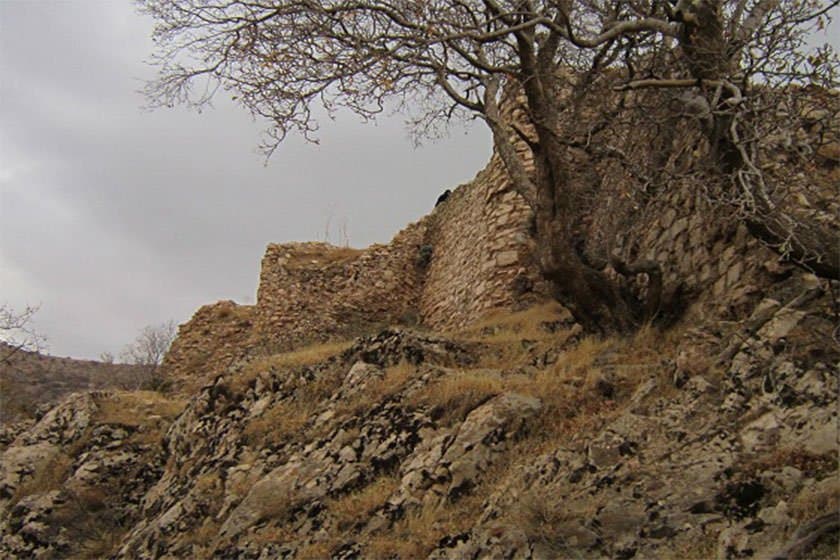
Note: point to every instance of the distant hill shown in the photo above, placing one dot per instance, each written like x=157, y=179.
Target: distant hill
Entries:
x=32, y=379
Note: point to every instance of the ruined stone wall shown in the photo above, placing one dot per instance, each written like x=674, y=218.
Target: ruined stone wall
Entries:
x=474, y=253
x=317, y=291
x=471, y=255
x=464, y=259
x=214, y=338
x=481, y=252
x=708, y=260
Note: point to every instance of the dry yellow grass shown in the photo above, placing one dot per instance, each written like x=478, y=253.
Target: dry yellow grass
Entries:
x=414, y=536
x=203, y=538
x=417, y=534
x=511, y=339
x=696, y=549
x=377, y=390
x=454, y=396
x=357, y=506
x=504, y=325
x=306, y=356
x=236, y=312
x=281, y=422
x=582, y=356
x=285, y=420
x=809, y=505
x=391, y=383
x=135, y=408
x=316, y=551
x=149, y=412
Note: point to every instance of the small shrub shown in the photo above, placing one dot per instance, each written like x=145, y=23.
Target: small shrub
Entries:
x=424, y=256
x=548, y=521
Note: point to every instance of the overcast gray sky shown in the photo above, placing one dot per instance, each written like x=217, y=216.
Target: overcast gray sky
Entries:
x=113, y=218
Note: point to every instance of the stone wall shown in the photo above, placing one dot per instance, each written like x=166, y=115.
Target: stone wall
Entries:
x=708, y=260
x=318, y=291
x=214, y=338
x=469, y=256
x=481, y=252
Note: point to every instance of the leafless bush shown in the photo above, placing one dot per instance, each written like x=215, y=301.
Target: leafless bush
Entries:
x=16, y=332
x=148, y=351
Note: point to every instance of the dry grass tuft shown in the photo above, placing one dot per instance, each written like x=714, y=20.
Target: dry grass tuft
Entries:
x=235, y=312
x=580, y=358
x=356, y=507
x=316, y=550
x=550, y=522
x=504, y=325
x=203, y=538
x=306, y=356
x=391, y=383
x=134, y=408
x=454, y=396
x=701, y=548
x=378, y=390
x=414, y=536
x=809, y=505
x=149, y=412
x=514, y=338
x=283, y=421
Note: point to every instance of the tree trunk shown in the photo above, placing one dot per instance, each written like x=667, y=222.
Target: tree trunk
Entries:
x=591, y=295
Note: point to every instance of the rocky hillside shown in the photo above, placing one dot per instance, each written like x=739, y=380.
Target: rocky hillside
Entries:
x=516, y=438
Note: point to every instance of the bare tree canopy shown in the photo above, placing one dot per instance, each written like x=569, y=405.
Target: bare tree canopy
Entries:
x=16, y=332
x=438, y=60
x=150, y=346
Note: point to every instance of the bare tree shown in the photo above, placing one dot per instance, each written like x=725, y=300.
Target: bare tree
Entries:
x=526, y=68
x=148, y=351
x=16, y=332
